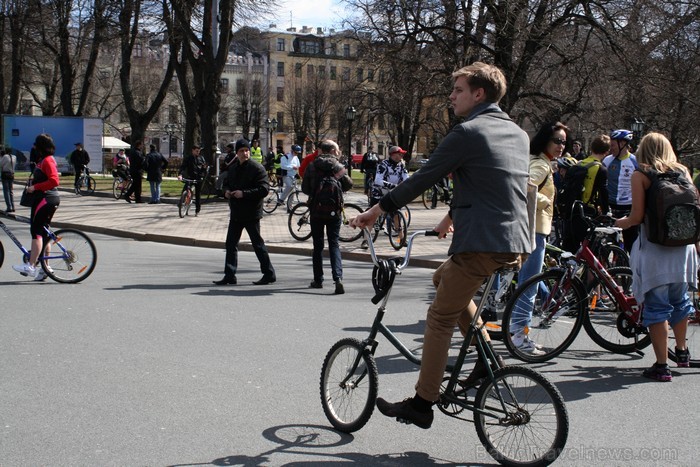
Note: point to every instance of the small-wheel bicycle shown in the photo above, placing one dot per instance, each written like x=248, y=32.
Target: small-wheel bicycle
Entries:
x=69, y=257
x=299, y=222
x=519, y=416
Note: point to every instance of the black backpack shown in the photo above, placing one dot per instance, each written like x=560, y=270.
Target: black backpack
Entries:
x=327, y=201
x=672, y=209
x=571, y=188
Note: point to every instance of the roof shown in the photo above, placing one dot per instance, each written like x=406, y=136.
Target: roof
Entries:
x=110, y=142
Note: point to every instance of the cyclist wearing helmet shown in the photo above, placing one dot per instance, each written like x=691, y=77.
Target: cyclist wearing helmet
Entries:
x=621, y=164
x=290, y=165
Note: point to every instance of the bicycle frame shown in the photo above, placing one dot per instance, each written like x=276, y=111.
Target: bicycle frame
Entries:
x=26, y=253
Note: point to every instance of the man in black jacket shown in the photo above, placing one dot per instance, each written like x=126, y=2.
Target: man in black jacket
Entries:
x=80, y=159
x=245, y=187
x=136, y=167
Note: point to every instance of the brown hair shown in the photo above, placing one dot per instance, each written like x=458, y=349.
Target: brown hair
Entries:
x=488, y=77
x=601, y=145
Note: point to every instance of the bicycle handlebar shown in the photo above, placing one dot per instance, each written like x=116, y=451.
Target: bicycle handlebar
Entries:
x=409, y=246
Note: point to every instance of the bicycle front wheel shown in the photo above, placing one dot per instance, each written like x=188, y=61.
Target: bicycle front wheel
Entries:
x=116, y=188
x=348, y=233
x=71, y=257
x=557, y=314
x=299, y=223
x=89, y=187
x=349, y=385
x=270, y=201
x=607, y=324
x=292, y=200
x=2, y=254
x=692, y=339
x=397, y=230
x=182, y=205
x=524, y=419
x=613, y=256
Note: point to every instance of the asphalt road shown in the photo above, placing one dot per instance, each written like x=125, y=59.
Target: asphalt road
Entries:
x=147, y=363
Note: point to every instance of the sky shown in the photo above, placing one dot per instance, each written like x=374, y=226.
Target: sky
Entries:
x=312, y=13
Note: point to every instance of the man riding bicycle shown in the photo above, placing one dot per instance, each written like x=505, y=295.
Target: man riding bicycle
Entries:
x=194, y=167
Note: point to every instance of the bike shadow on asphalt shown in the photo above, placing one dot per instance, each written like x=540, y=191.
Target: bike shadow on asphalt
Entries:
x=321, y=441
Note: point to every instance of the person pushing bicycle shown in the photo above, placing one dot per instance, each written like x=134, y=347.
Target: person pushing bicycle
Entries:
x=488, y=157
x=194, y=167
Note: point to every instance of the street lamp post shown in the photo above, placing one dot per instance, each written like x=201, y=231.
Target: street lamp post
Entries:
x=271, y=126
x=170, y=130
x=637, y=128
x=350, y=117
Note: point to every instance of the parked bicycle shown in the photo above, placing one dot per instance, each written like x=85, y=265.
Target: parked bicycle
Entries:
x=299, y=223
x=581, y=293
x=69, y=257
x=86, y=184
x=439, y=193
x=274, y=198
x=519, y=416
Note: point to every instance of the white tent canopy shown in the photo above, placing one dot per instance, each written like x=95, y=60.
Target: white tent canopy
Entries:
x=110, y=142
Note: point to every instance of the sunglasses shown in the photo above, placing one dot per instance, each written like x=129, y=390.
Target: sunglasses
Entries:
x=561, y=142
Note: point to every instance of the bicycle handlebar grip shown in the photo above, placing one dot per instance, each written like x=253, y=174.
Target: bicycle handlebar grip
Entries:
x=378, y=297
x=432, y=233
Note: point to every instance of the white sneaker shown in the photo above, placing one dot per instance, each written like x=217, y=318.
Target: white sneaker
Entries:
x=40, y=275
x=524, y=344
x=25, y=269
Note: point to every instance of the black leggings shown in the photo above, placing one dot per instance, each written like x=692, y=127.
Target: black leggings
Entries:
x=42, y=213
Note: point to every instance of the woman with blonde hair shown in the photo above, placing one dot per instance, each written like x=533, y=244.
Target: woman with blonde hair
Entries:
x=662, y=275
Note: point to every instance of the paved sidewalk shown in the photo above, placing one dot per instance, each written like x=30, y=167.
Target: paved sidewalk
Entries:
x=100, y=213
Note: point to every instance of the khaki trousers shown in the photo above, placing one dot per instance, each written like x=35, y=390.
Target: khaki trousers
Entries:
x=457, y=280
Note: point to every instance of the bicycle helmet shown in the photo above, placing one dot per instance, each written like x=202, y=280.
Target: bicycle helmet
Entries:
x=625, y=135
x=565, y=162
x=296, y=148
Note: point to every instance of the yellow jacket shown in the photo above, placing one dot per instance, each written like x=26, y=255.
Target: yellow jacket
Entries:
x=541, y=171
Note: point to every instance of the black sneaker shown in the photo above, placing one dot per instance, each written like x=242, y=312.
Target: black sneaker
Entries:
x=315, y=285
x=404, y=412
x=339, y=289
x=480, y=372
x=683, y=358
x=658, y=372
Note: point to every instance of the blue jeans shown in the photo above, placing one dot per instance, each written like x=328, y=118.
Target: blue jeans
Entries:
x=7, y=192
x=332, y=228
x=522, y=312
x=668, y=302
x=155, y=192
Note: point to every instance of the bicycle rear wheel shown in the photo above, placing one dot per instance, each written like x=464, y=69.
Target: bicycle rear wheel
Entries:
x=533, y=428
x=428, y=198
x=2, y=254
x=348, y=233
x=613, y=256
x=557, y=315
x=292, y=200
x=182, y=205
x=270, y=201
x=72, y=258
x=606, y=323
x=349, y=385
x=397, y=230
x=299, y=223
x=692, y=339
x=89, y=187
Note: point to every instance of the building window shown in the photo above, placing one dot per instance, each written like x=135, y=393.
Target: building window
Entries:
x=334, y=49
x=346, y=74
x=322, y=71
x=280, y=94
x=309, y=47
x=257, y=87
x=280, y=68
x=223, y=117
x=360, y=74
x=240, y=87
x=346, y=50
x=173, y=114
x=309, y=70
x=280, y=122
x=370, y=75
x=380, y=122
x=280, y=44
x=138, y=50
x=224, y=85
x=297, y=70
x=334, y=73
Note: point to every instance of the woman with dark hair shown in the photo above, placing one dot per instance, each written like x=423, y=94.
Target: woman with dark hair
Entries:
x=46, y=201
x=546, y=146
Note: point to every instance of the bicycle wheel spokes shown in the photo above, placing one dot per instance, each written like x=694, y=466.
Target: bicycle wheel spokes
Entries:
x=347, y=232
x=292, y=200
x=71, y=258
x=549, y=311
x=182, y=204
x=349, y=384
x=525, y=420
x=397, y=230
x=270, y=201
x=298, y=222
x=605, y=322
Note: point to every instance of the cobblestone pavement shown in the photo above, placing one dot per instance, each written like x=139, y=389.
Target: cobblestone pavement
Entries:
x=160, y=223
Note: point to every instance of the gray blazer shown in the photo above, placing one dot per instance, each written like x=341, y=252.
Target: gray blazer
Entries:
x=488, y=157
